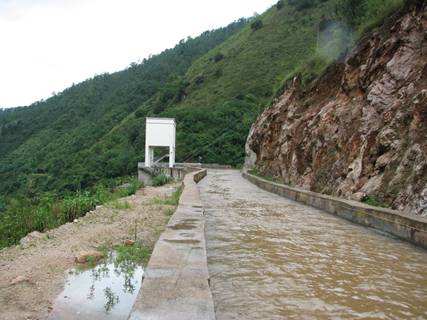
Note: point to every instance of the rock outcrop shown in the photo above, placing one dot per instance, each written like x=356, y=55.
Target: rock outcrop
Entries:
x=361, y=129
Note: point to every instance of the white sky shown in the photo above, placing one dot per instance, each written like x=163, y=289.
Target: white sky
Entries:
x=46, y=45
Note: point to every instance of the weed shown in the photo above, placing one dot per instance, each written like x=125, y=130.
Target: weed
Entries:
x=161, y=180
x=172, y=200
x=137, y=253
x=373, y=201
x=168, y=211
x=121, y=205
x=256, y=173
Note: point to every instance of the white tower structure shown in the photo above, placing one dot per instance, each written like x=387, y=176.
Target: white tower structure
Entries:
x=159, y=132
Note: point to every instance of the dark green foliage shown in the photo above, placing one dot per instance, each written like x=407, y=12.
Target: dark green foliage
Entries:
x=304, y=4
x=280, y=4
x=218, y=57
x=256, y=25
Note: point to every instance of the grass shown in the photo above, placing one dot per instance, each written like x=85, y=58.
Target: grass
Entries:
x=48, y=211
x=373, y=201
x=168, y=211
x=127, y=256
x=172, y=200
x=136, y=253
x=256, y=173
x=161, y=180
x=120, y=205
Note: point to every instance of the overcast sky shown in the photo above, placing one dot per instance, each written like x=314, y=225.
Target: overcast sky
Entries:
x=46, y=45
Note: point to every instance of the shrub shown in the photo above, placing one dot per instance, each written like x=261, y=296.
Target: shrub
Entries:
x=256, y=25
x=198, y=80
x=280, y=4
x=302, y=4
x=218, y=57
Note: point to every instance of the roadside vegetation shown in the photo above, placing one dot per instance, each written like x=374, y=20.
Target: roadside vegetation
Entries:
x=41, y=213
x=172, y=200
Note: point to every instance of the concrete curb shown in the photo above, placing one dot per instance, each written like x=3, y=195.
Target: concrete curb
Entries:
x=404, y=226
x=176, y=282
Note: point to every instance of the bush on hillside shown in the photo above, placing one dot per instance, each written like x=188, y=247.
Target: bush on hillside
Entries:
x=218, y=57
x=256, y=25
x=302, y=4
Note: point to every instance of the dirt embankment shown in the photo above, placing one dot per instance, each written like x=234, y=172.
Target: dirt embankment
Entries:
x=361, y=130
x=33, y=274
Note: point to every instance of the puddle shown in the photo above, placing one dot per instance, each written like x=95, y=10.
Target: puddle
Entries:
x=183, y=226
x=106, y=291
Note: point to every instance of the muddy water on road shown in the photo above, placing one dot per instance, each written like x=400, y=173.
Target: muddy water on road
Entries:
x=271, y=258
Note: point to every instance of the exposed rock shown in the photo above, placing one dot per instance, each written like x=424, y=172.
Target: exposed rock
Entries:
x=129, y=242
x=31, y=239
x=361, y=128
x=19, y=279
x=85, y=257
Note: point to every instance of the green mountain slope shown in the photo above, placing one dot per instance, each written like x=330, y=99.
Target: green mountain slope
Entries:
x=214, y=85
x=43, y=146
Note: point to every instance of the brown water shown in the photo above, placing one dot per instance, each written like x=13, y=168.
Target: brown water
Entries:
x=271, y=258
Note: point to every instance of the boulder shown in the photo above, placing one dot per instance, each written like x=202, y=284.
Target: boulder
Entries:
x=31, y=238
x=84, y=257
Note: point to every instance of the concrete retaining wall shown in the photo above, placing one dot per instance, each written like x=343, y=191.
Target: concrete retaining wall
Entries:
x=176, y=281
x=146, y=174
x=404, y=226
x=216, y=166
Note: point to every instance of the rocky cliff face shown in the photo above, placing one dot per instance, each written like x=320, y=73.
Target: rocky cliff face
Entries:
x=360, y=130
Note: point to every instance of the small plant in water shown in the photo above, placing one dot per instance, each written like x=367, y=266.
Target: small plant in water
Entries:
x=112, y=299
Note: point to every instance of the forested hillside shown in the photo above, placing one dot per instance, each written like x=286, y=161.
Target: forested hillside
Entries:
x=214, y=85
x=56, y=144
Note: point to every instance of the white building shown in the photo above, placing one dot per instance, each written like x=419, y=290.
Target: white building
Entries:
x=159, y=132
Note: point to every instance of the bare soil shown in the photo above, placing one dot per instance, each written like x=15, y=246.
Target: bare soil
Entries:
x=32, y=275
